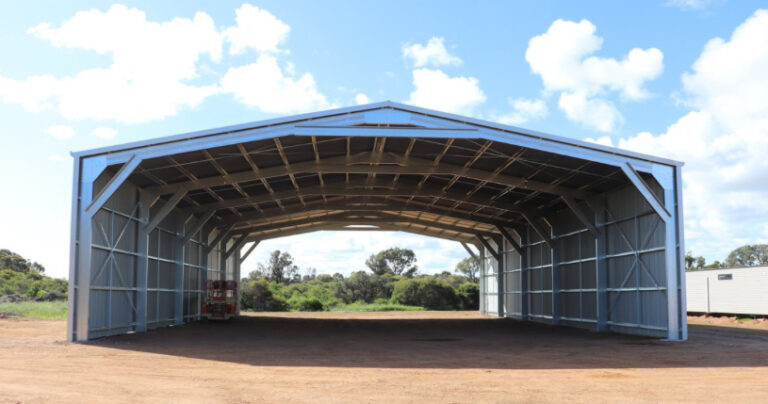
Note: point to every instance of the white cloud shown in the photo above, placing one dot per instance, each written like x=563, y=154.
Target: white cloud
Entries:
x=433, y=53
x=147, y=80
x=435, y=89
x=264, y=85
x=723, y=141
x=603, y=140
x=104, y=132
x=60, y=132
x=561, y=57
x=256, y=29
x=689, y=4
x=597, y=113
x=154, y=63
x=523, y=111
x=361, y=99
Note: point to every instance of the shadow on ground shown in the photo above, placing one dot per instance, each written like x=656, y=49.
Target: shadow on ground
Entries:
x=441, y=344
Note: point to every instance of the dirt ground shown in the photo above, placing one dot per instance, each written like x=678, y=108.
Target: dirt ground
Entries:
x=424, y=357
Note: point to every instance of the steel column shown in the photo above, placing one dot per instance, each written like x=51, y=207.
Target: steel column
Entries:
x=601, y=273
x=524, y=264
x=142, y=261
x=178, y=307
x=90, y=168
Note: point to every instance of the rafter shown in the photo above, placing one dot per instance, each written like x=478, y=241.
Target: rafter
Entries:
x=401, y=190
x=341, y=165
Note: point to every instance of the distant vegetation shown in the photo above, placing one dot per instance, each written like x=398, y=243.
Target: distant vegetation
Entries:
x=26, y=291
x=393, y=283
x=22, y=279
x=754, y=255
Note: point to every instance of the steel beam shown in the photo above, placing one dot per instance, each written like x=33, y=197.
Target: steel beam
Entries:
x=407, y=228
x=510, y=239
x=249, y=250
x=198, y=225
x=341, y=165
x=383, y=190
x=165, y=210
x=367, y=203
x=380, y=219
x=471, y=253
x=223, y=232
x=539, y=230
x=113, y=185
x=581, y=215
x=236, y=247
x=646, y=192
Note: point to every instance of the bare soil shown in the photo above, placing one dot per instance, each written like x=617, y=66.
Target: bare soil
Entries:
x=424, y=357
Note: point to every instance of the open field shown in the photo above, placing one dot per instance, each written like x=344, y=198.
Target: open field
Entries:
x=380, y=357
x=55, y=310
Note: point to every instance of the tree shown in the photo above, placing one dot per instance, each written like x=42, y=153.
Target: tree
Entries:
x=748, y=256
x=693, y=263
x=427, y=292
x=278, y=268
x=17, y=263
x=469, y=267
x=397, y=261
x=361, y=286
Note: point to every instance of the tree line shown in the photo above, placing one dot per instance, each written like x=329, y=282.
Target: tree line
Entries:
x=750, y=255
x=22, y=279
x=391, y=282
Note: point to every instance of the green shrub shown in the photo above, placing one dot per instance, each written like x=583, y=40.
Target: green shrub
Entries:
x=257, y=295
x=362, y=286
x=302, y=303
x=469, y=296
x=426, y=292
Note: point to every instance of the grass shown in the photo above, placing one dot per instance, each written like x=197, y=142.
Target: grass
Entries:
x=56, y=310
x=376, y=307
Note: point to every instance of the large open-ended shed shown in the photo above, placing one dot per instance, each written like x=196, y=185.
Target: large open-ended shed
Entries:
x=568, y=232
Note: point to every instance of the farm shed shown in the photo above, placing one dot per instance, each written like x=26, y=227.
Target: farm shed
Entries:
x=568, y=232
x=728, y=291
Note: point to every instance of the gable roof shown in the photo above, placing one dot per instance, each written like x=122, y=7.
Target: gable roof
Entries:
x=457, y=120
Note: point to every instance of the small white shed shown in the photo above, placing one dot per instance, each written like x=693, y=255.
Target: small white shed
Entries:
x=728, y=291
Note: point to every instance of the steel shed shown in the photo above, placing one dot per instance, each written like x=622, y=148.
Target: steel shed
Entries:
x=568, y=232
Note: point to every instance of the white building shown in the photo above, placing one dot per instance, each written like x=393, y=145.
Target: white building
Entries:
x=728, y=291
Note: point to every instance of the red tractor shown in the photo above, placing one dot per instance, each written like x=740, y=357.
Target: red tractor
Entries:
x=220, y=300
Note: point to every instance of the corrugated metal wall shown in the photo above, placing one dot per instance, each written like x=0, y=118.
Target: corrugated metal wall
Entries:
x=728, y=291
x=490, y=281
x=635, y=299
x=171, y=280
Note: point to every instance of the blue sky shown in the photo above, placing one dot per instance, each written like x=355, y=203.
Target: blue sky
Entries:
x=683, y=79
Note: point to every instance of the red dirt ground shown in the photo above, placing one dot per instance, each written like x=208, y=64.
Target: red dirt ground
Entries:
x=424, y=357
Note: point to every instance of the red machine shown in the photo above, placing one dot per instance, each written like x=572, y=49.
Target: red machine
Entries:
x=220, y=300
